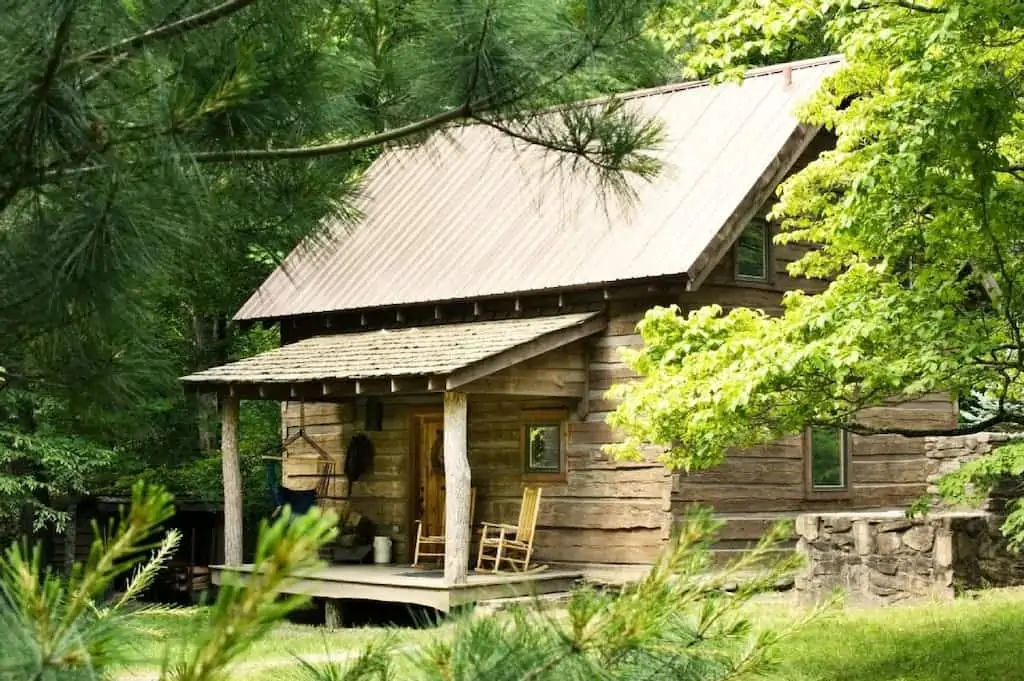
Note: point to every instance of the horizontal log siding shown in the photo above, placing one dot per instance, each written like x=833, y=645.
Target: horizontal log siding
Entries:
x=611, y=511
x=631, y=517
x=381, y=495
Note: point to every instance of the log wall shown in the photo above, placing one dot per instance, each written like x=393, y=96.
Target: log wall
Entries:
x=602, y=510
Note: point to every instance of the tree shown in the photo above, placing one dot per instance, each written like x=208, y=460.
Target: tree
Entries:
x=917, y=216
x=685, y=27
x=160, y=156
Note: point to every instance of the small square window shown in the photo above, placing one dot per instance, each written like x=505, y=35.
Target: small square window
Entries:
x=828, y=458
x=752, y=252
x=543, y=448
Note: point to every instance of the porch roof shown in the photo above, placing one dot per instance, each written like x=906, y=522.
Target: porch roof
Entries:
x=445, y=356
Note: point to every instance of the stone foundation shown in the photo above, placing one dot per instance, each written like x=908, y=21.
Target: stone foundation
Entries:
x=883, y=557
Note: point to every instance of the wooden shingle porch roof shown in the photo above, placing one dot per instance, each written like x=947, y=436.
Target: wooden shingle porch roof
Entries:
x=416, y=359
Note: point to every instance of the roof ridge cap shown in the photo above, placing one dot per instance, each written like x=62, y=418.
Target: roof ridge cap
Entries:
x=668, y=88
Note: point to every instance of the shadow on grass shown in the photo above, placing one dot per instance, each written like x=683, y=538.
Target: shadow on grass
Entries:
x=364, y=613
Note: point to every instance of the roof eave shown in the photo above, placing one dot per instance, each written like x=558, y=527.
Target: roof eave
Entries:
x=802, y=136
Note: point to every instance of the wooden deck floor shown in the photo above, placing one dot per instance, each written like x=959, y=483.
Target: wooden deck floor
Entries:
x=404, y=584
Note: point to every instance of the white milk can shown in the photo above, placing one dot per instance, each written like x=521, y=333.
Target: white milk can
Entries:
x=381, y=550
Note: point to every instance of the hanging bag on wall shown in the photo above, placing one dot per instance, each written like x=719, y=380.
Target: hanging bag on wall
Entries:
x=358, y=459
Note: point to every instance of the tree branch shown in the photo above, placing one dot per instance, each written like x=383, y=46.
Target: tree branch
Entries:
x=189, y=23
x=479, y=53
x=913, y=6
x=550, y=145
x=978, y=427
x=317, y=151
x=60, y=42
x=466, y=110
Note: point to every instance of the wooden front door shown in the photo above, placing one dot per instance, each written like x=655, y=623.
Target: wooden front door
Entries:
x=429, y=467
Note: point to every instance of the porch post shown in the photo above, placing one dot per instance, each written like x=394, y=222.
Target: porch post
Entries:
x=232, y=480
x=457, y=486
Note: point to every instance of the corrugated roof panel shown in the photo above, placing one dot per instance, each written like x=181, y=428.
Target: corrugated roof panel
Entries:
x=472, y=213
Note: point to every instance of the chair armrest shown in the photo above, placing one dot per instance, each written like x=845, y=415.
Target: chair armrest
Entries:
x=501, y=525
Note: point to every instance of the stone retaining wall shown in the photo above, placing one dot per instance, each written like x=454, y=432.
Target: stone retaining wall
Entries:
x=946, y=454
x=884, y=557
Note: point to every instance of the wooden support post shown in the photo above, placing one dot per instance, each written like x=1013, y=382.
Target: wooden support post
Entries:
x=232, y=480
x=333, y=616
x=457, y=489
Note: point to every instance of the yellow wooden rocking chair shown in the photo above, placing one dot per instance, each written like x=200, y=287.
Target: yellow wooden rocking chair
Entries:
x=511, y=544
x=432, y=546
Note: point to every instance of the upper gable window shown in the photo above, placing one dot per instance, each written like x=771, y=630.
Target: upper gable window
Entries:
x=752, y=252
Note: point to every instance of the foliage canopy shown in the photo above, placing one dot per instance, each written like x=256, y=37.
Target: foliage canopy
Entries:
x=917, y=213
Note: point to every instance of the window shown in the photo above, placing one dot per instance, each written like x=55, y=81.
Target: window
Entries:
x=828, y=459
x=752, y=252
x=544, y=448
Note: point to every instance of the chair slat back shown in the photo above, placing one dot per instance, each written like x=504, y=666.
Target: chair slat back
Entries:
x=528, y=514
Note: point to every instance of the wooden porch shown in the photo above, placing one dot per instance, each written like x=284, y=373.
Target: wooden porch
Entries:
x=424, y=379
x=404, y=584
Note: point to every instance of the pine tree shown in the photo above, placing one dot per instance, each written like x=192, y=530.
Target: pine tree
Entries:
x=157, y=157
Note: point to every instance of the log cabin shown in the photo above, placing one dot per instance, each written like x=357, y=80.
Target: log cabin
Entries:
x=480, y=303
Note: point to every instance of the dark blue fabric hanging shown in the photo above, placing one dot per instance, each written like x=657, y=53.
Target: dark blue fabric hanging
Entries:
x=273, y=469
x=299, y=500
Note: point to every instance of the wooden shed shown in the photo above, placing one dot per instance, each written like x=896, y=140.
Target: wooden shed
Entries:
x=478, y=304
x=187, y=575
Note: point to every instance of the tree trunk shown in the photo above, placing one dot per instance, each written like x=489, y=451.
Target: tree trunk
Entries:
x=457, y=487
x=210, y=349
x=71, y=536
x=232, y=481
x=206, y=422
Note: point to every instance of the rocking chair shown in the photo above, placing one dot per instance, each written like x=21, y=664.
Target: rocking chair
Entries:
x=432, y=546
x=512, y=544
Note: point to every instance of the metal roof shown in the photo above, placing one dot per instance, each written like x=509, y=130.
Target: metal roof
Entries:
x=473, y=213
x=416, y=351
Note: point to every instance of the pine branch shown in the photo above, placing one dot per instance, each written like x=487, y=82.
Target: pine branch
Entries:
x=189, y=23
x=467, y=110
x=320, y=150
x=60, y=42
x=479, y=53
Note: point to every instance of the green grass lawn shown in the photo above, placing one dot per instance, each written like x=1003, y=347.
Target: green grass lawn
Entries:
x=972, y=639
x=170, y=630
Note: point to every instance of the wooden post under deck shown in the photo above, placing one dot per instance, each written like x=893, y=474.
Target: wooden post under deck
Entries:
x=232, y=481
x=457, y=489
